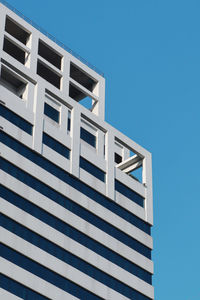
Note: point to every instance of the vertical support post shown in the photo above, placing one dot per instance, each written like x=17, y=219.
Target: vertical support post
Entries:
x=147, y=180
x=99, y=108
x=65, y=78
x=33, y=44
x=110, y=169
x=75, y=135
x=126, y=153
x=2, y=26
x=38, y=109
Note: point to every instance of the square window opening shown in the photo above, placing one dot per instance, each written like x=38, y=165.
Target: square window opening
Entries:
x=49, y=75
x=17, y=31
x=49, y=54
x=81, y=97
x=131, y=163
x=82, y=78
x=13, y=83
x=15, y=51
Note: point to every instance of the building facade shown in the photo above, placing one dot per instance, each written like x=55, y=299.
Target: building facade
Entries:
x=76, y=194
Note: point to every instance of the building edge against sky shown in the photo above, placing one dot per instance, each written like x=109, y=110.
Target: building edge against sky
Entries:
x=76, y=194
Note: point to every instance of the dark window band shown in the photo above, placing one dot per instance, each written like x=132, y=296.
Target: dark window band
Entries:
x=56, y=146
x=34, y=183
x=88, y=137
x=18, y=289
x=114, y=257
x=58, y=280
x=64, y=255
x=51, y=112
x=90, y=168
x=15, y=119
x=74, y=182
x=124, y=190
x=46, y=274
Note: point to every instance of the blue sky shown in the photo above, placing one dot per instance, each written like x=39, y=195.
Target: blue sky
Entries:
x=150, y=53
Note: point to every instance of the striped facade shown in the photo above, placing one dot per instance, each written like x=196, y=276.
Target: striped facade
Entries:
x=76, y=194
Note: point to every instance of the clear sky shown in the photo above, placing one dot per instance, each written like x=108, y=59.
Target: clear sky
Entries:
x=149, y=51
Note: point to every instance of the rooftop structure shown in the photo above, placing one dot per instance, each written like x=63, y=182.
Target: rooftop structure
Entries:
x=76, y=217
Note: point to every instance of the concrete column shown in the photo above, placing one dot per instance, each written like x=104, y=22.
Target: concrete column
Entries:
x=147, y=180
x=110, y=178
x=65, y=79
x=2, y=26
x=33, y=45
x=75, y=135
x=38, y=110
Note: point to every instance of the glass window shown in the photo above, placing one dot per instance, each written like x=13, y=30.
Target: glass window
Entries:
x=90, y=168
x=88, y=137
x=56, y=146
x=76, y=183
x=51, y=112
x=124, y=190
x=15, y=119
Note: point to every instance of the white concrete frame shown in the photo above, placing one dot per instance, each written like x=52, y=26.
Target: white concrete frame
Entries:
x=109, y=142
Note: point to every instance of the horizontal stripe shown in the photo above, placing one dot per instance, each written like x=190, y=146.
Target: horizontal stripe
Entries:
x=44, y=273
x=57, y=266
x=70, y=218
x=92, y=169
x=65, y=256
x=35, y=283
x=15, y=119
x=18, y=289
x=5, y=295
x=32, y=182
x=75, y=183
x=73, y=233
x=59, y=278
x=68, y=244
x=51, y=112
x=88, y=137
x=124, y=190
x=56, y=146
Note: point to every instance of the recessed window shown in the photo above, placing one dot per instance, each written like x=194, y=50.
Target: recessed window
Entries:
x=51, y=112
x=13, y=83
x=81, y=97
x=88, y=137
x=13, y=50
x=48, y=74
x=16, y=31
x=82, y=78
x=49, y=54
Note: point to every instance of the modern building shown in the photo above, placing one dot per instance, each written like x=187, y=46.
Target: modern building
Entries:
x=76, y=194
